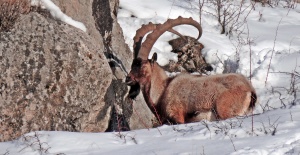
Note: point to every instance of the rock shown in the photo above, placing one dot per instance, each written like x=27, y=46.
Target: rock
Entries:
x=105, y=29
x=132, y=113
x=56, y=77
x=190, y=58
x=10, y=11
x=103, y=26
x=53, y=77
x=81, y=10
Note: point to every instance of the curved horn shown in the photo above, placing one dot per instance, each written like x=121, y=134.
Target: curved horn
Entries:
x=160, y=29
x=139, y=35
x=141, y=32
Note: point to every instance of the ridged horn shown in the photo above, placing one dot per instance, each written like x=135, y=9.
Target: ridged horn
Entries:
x=147, y=45
x=141, y=32
x=139, y=35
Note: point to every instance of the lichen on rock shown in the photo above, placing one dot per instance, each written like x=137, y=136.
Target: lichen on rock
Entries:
x=53, y=77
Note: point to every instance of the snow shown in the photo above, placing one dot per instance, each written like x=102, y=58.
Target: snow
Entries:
x=57, y=13
x=275, y=56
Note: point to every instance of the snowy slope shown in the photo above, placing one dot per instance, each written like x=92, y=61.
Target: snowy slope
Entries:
x=232, y=136
x=275, y=127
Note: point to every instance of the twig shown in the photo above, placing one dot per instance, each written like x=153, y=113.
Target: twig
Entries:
x=200, y=10
x=272, y=51
x=206, y=125
x=232, y=143
x=171, y=9
x=33, y=142
x=6, y=153
x=123, y=136
x=291, y=43
x=250, y=52
x=203, y=153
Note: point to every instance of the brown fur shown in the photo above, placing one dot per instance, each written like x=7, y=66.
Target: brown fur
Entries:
x=190, y=98
x=185, y=98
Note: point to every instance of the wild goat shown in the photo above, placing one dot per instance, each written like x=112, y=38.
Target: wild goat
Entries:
x=185, y=98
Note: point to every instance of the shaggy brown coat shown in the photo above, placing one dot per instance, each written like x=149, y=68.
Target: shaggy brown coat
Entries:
x=185, y=98
x=190, y=98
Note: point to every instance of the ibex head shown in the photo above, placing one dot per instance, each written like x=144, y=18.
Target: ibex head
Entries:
x=140, y=71
x=142, y=67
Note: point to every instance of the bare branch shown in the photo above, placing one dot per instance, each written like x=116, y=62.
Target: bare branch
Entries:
x=273, y=49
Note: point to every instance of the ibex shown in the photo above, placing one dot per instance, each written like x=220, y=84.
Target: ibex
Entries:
x=185, y=98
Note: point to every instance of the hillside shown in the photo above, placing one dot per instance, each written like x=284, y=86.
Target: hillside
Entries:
x=264, y=44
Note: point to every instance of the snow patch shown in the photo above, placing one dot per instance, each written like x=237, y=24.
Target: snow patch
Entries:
x=57, y=13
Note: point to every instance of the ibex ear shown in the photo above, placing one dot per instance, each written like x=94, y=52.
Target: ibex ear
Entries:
x=154, y=58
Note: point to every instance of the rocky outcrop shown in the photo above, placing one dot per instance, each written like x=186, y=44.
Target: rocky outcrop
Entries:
x=81, y=10
x=53, y=77
x=103, y=26
x=57, y=77
x=133, y=114
x=190, y=57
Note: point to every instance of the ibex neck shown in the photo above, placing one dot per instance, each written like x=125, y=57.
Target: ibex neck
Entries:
x=158, y=83
x=153, y=90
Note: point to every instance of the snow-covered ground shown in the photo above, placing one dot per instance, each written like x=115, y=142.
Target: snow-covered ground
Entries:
x=274, y=36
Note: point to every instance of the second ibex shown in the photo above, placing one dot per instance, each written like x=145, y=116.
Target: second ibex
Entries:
x=185, y=98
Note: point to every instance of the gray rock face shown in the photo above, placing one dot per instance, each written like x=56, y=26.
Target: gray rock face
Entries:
x=100, y=18
x=53, y=77
x=81, y=10
x=134, y=114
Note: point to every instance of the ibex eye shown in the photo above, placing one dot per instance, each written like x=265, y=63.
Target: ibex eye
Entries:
x=138, y=63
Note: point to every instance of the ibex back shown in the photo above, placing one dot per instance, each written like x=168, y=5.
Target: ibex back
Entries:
x=185, y=98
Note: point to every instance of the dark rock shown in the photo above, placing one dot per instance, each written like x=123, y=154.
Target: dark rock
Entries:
x=190, y=58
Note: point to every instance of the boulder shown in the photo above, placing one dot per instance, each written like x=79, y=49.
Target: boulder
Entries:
x=57, y=77
x=53, y=77
x=104, y=27
x=190, y=57
x=100, y=18
x=132, y=114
